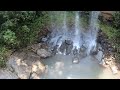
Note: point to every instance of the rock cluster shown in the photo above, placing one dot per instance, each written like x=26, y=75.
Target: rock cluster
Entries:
x=105, y=54
x=26, y=65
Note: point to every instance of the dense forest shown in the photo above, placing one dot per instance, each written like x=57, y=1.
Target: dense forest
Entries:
x=21, y=28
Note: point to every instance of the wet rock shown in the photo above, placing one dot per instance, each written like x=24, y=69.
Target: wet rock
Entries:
x=83, y=48
x=82, y=54
x=62, y=47
x=75, y=52
x=94, y=51
x=75, y=60
x=44, y=39
x=69, y=49
x=54, y=51
x=43, y=53
x=7, y=74
x=69, y=42
x=99, y=56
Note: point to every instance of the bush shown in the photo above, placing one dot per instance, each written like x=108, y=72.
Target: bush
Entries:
x=3, y=53
x=116, y=19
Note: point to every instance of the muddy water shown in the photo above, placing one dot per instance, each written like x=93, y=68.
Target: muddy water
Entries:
x=61, y=67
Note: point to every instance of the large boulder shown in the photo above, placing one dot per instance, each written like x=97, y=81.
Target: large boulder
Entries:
x=24, y=68
x=43, y=53
x=19, y=67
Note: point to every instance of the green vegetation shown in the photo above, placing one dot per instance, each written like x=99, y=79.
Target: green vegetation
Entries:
x=20, y=28
x=113, y=33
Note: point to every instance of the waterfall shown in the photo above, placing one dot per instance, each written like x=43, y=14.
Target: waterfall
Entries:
x=61, y=32
x=77, y=38
x=93, y=29
x=65, y=24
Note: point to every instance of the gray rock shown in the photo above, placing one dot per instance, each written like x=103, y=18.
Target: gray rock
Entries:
x=75, y=60
x=75, y=51
x=34, y=76
x=6, y=74
x=23, y=68
x=99, y=56
x=44, y=39
x=62, y=47
x=83, y=48
x=69, y=42
x=20, y=67
x=43, y=53
x=69, y=49
x=35, y=47
x=94, y=51
x=54, y=51
x=38, y=67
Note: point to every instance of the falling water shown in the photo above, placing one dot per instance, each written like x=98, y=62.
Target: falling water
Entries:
x=93, y=29
x=76, y=41
x=89, y=37
x=65, y=24
x=64, y=29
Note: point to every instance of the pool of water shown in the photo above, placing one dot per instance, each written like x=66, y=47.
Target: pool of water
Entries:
x=61, y=67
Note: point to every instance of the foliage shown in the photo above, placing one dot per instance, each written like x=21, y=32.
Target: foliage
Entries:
x=20, y=28
x=116, y=19
x=113, y=36
x=3, y=56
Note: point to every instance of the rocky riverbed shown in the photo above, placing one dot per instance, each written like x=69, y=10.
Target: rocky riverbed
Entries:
x=30, y=63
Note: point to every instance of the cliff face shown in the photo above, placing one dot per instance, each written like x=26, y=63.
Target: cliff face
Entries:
x=107, y=15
